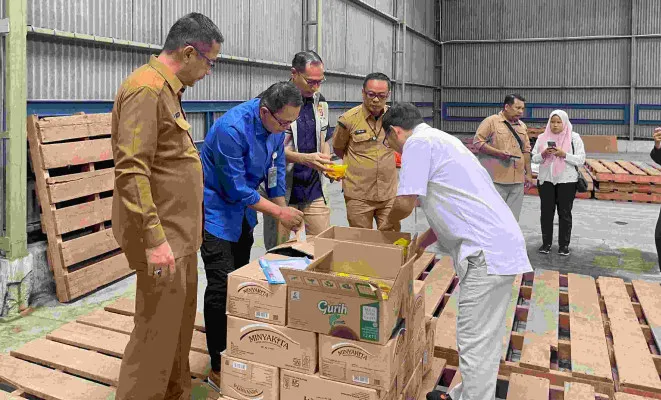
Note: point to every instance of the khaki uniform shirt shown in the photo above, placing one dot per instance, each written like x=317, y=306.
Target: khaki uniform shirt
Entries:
x=158, y=173
x=371, y=172
x=494, y=132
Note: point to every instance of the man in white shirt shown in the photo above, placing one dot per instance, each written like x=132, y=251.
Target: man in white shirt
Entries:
x=473, y=224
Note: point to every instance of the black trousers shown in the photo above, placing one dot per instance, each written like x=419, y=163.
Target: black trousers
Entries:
x=220, y=258
x=657, y=239
x=560, y=196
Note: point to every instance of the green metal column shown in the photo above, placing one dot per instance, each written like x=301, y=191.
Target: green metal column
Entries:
x=16, y=103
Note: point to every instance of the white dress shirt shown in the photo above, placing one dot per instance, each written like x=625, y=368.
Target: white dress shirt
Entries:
x=461, y=203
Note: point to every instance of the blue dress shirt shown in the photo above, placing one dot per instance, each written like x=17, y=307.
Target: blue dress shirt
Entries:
x=237, y=154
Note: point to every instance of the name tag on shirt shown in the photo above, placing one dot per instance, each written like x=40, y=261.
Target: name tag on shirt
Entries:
x=272, y=177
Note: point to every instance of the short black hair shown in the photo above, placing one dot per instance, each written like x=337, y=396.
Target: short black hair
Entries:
x=376, y=76
x=405, y=115
x=509, y=99
x=279, y=95
x=303, y=58
x=192, y=28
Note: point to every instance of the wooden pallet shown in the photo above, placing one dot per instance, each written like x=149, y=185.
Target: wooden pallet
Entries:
x=72, y=161
x=515, y=386
x=543, y=304
x=81, y=359
x=633, y=323
x=624, y=172
x=634, y=197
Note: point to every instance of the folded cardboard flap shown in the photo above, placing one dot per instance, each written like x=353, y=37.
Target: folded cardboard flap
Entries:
x=363, y=235
x=294, y=248
x=369, y=252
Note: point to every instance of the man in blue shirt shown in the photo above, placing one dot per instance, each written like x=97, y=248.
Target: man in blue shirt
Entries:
x=243, y=148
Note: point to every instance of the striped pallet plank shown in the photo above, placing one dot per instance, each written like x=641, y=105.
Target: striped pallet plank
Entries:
x=631, y=336
x=516, y=386
x=81, y=360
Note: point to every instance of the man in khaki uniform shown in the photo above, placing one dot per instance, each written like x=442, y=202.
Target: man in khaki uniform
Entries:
x=370, y=185
x=505, y=156
x=157, y=208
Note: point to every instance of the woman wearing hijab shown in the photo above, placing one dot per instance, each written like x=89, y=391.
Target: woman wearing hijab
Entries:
x=559, y=151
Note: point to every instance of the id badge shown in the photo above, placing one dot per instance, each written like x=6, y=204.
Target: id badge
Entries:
x=273, y=173
x=272, y=177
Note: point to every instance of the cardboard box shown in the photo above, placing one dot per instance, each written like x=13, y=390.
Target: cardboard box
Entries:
x=297, y=386
x=417, y=326
x=351, y=244
x=347, y=307
x=363, y=364
x=405, y=371
x=247, y=380
x=278, y=345
x=250, y=296
x=428, y=355
x=412, y=388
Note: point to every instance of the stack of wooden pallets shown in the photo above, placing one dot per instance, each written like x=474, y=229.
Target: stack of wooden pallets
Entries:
x=81, y=359
x=626, y=180
x=74, y=173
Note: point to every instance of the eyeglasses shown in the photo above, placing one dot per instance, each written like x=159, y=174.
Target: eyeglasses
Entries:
x=210, y=63
x=313, y=82
x=381, y=96
x=284, y=124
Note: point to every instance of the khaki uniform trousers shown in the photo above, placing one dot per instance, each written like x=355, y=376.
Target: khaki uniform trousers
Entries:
x=155, y=363
x=362, y=213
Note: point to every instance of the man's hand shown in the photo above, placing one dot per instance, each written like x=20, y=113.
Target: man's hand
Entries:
x=504, y=155
x=160, y=260
x=528, y=181
x=657, y=138
x=318, y=161
x=290, y=218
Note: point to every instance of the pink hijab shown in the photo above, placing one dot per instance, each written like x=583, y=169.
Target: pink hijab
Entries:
x=562, y=140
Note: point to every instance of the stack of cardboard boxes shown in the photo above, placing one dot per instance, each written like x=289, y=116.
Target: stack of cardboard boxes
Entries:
x=351, y=326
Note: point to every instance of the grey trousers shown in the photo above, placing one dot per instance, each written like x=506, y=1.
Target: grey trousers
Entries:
x=482, y=307
x=512, y=193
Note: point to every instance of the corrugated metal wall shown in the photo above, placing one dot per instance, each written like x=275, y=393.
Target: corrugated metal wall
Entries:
x=355, y=40
x=539, y=49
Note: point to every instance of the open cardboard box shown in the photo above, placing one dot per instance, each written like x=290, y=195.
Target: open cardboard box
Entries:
x=345, y=306
x=351, y=243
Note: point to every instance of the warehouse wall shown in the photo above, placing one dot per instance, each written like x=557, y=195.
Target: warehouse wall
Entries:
x=358, y=37
x=497, y=49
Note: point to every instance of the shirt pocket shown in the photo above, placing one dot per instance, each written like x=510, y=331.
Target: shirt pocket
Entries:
x=183, y=125
x=361, y=136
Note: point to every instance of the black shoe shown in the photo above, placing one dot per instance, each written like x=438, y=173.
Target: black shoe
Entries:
x=563, y=250
x=545, y=249
x=438, y=395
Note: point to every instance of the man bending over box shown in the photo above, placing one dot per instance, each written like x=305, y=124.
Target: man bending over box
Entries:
x=473, y=224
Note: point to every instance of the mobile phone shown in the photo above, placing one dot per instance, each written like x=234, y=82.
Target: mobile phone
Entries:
x=551, y=143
